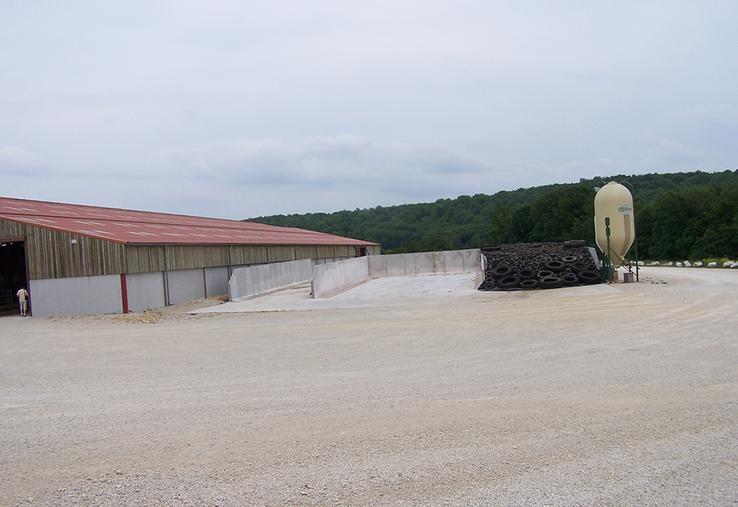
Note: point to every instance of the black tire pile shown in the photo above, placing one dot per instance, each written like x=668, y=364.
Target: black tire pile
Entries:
x=529, y=266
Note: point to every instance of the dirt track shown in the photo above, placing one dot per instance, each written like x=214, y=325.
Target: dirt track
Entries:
x=573, y=396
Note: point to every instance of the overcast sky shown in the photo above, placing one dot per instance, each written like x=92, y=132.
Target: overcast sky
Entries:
x=238, y=109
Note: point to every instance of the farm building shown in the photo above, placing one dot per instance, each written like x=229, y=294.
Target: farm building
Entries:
x=77, y=259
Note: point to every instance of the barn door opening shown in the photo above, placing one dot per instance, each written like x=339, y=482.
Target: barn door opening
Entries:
x=12, y=275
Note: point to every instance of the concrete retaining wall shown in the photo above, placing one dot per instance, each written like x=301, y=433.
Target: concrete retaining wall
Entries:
x=331, y=279
x=255, y=280
x=185, y=285
x=216, y=281
x=76, y=296
x=145, y=291
x=425, y=263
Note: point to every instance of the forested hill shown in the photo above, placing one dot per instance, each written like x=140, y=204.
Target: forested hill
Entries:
x=678, y=215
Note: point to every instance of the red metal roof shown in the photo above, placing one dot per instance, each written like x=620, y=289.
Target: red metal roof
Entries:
x=128, y=226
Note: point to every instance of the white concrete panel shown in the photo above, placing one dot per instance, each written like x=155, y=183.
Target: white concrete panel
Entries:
x=396, y=265
x=454, y=261
x=411, y=267
x=255, y=280
x=327, y=260
x=186, y=285
x=86, y=295
x=378, y=265
x=425, y=263
x=332, y=279
x=216, y=281
x=473, y=260
x=145, y=291
x=439, y=262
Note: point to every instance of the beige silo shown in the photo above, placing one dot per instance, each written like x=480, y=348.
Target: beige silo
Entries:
x=614, y=201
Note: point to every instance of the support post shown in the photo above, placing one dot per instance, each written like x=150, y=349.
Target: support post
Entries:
x=166, y=278
x=608, y=267
x=124, y=292
x=636, y=252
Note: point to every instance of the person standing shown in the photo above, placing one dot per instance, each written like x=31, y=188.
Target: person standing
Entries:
x=23, y=301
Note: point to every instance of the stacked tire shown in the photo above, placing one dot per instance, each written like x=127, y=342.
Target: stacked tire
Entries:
x=529, y=266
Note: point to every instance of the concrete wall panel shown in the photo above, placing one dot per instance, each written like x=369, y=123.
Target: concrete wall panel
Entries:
x=86, y=295
x=396, y=265
x=473, y=260
x=411, y=267
x=454, y=262
x=145, y=291
x=439, y=262
x=425, y=263
x=334, y=278
x=186, y=285
x=378, y=265
x=328, y=261
x=252, y=281
x=216, y=281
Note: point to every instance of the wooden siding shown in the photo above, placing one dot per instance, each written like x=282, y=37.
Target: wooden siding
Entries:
x=11, y=230
x=196, y=256
x=326, y=252
x=54, y=254
x=306, y=252
x=242, y=255
x=345, y=251
x=280, y=253
x=144, y=258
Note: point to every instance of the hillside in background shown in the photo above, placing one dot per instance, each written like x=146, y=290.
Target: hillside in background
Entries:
x=678, y=216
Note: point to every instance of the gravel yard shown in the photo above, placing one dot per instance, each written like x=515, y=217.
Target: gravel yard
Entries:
x=622, y=395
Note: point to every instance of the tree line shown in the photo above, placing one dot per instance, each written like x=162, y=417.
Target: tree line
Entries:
x=691, y=215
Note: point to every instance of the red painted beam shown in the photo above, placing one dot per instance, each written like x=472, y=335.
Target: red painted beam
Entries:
x=124, y=292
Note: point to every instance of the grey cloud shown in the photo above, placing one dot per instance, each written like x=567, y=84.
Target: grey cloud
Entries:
x=320, y=161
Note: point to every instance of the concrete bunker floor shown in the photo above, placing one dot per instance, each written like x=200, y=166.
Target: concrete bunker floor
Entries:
x=378, y=292
x=585, y=396
x=375, y=292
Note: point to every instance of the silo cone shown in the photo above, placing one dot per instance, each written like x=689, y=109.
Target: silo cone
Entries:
x=615, y=202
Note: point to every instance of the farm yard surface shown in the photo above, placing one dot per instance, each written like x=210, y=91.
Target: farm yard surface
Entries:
x=621, y=395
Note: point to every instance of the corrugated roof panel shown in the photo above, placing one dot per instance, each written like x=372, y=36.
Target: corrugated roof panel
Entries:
x=129, y=226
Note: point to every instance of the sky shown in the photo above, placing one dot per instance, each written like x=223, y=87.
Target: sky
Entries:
x=237, y=109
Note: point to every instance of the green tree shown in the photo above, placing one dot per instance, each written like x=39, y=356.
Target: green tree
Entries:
x=678, y=215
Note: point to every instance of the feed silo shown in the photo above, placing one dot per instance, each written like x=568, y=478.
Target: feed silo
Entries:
x=613, y=206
